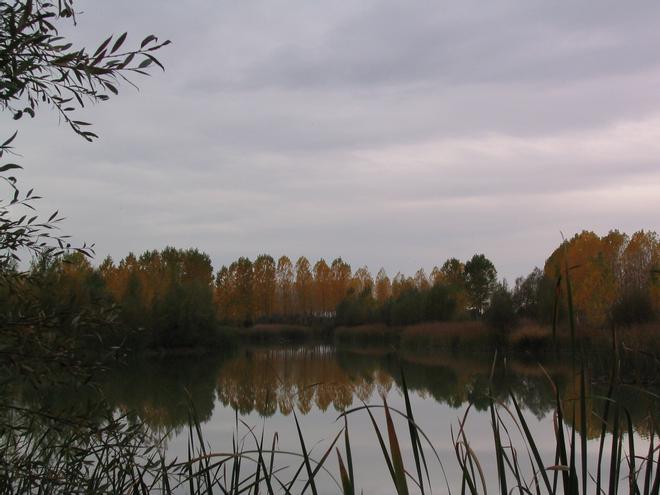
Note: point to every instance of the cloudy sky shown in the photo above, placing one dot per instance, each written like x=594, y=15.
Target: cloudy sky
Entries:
x=390, y=133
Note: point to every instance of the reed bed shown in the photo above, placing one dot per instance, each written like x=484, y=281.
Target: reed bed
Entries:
x=464, y=335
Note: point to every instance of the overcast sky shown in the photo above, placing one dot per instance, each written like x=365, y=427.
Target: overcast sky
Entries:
x=389, y=133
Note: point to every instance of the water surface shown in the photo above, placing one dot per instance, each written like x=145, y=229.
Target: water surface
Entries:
x=262, y=387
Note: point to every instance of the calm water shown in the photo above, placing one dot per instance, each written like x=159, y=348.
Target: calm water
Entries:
x=265, y=385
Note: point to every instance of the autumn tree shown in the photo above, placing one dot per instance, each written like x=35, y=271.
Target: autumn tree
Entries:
x=362, y=281
x=453, y=272
x=435, y=276
x=591, y=266
x=400, y=284
x=285, y=281
x=322, y=286
x=452, y=275
x=340, y=281
x=223, y=294
x=638, y=298
x=383, y=286
x=243, y=290
x=265, y=283
x=421, y=280
x=304, y=286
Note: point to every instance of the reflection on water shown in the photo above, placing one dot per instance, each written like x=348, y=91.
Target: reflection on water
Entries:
x=264, y=385
x=274, y=381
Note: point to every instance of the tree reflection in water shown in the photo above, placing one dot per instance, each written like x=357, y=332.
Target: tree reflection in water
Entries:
x=275, y=380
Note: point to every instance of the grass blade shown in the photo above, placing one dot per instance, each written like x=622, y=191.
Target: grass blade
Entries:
x=632, y=478
x=320, y=463
x=414, y=437
x=397, y=461
x=614, y=485
x=383, y=449
x=306, y=456
x=349, y=456
x=583, y=426
x=531, y=443
x=649, y=462
x=346, y=482
x=561, y=445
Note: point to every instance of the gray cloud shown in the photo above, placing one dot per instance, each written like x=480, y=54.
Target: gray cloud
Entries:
x=390, y=134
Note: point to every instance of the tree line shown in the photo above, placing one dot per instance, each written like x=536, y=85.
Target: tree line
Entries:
x=172, y=297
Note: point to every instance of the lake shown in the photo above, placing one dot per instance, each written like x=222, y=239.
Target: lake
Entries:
x=259, y=388
x=254, y=390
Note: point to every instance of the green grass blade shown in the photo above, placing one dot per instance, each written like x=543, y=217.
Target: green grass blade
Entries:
x=320, y=463
x=397, y=461
x=561, y=445
x=573, y=452
x=349, y=455
x=306, y=456
x=649, y=462
x=499, y=450
x=614, y=485
x=603, y=430
x=414, y=437
x=656, y=484
x=583, y=426
x=383, y=449
x=272, y=455
x=347, y=485
x=531, y=443
x=632, y=478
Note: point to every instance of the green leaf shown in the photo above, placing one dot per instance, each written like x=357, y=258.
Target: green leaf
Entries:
x=118, y=43
x=9, y=166
x=102, y=46
x=8, y=141
x=145, y=63
x=147, y=40
x=112, y=88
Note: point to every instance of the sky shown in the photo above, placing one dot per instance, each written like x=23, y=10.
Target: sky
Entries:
x=393, y=134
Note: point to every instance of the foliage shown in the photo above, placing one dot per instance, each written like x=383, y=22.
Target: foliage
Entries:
x=501, y=313
x=40, y=66
x=53, y=325
x=441, y=303
x=357, y=308
x=610, y=273
x=480, y=279
x=165, y=297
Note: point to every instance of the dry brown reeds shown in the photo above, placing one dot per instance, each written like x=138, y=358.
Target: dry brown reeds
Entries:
x=449, y=335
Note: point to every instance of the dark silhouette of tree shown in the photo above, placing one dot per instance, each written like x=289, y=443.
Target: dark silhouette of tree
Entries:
x=480, y=279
